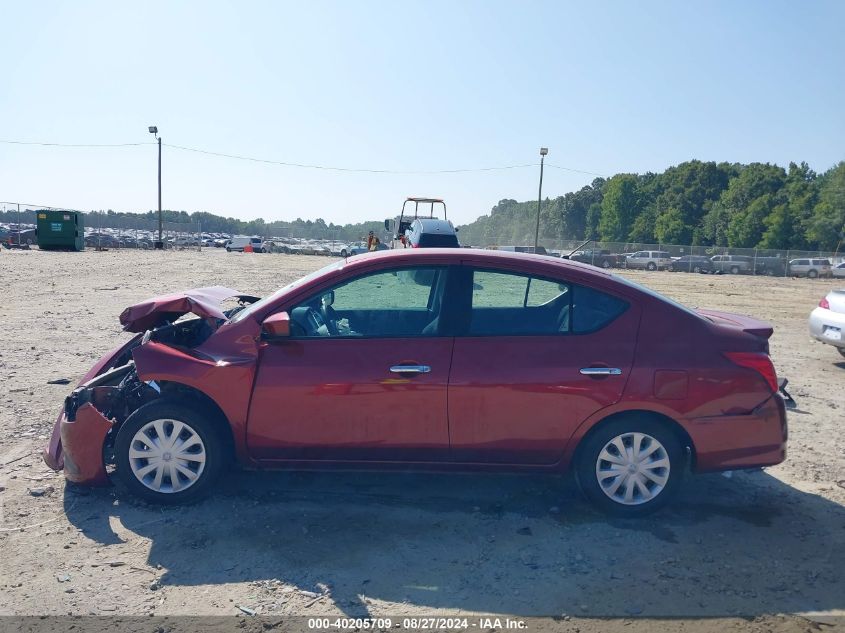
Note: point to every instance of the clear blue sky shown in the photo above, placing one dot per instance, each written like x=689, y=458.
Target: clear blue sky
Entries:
x=607, y=86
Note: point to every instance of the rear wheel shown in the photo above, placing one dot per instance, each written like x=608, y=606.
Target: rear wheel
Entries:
x=605, y=264
x=343, y=252
x=812, y=274
x=651, y=266
x=631, y=466
x=696, y=269
x=734, y=270
x=167, y=452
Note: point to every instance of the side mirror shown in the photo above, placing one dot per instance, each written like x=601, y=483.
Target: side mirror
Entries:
x=276, y=326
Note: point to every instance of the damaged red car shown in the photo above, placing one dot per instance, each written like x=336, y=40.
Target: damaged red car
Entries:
x=429, y=359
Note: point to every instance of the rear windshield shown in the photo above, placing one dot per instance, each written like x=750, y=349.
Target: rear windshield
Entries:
x=657, y=295
x=438, y=240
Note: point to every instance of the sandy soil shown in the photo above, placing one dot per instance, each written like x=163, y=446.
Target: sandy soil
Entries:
x=730, y=554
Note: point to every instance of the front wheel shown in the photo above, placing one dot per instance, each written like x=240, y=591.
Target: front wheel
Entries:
x=812, y=274
x=651, y=266
x=343, y=253
x=734, y=270
x=630, y=467
x=167, y=452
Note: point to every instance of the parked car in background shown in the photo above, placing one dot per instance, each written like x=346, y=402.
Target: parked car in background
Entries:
x=733, y=264
x=810, y=267
x=221, y=242
x=600, y=257
x=772, y=266
x=649, y=260
x=431, y=233
x=827, y=321
x=505, y=361
x=691, y=264
x=237, y=244
x=838, y=271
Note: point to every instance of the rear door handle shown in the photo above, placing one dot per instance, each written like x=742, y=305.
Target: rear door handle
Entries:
x=410, y=369
x=601, y=371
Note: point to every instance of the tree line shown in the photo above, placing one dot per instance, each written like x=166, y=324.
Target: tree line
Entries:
x=211, y=223
x=759, y=205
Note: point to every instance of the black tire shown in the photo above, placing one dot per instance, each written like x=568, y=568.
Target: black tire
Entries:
x=228, y=250
x=841, y=350
x=812, y=274
x=587, y=457
x=651, y=266
x=343, y=253
x=696, y=269
x=605, y=264
x=200, y=421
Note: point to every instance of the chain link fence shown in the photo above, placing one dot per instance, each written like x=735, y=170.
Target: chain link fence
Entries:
x=689, y=258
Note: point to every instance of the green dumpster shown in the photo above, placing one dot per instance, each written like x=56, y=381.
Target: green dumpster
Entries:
x=60, y=231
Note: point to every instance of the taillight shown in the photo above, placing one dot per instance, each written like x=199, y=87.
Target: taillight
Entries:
x=759, y=362
x=824, y=303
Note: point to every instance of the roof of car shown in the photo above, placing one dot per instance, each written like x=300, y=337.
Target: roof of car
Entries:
x=477, y=255
x=433, y=225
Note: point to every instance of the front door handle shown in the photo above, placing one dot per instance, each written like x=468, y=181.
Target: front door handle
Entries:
x=410, y=369
x=601, y=371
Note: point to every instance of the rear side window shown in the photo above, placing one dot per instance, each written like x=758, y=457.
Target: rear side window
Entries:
x=508, y=304
x=593, y=309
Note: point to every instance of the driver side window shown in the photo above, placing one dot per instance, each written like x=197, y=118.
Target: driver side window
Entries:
x=396, y=303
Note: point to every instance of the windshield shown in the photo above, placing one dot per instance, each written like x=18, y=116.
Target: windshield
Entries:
x=261, y=303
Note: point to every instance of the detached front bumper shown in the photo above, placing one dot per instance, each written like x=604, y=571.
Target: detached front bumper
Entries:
x=77, y=446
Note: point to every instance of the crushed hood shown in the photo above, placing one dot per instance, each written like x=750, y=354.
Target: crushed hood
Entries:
x=204, y=302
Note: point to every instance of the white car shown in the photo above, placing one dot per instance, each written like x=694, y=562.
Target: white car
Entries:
x=237, y=244
x=827, y=322
x=810, y=267
x=838, y=270
x=649, y=260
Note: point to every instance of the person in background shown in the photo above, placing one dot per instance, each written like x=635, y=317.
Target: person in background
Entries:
x=371, y=239
x=374, y=246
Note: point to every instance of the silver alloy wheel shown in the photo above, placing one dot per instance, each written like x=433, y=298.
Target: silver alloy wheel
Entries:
x=167, y=456
x=632, y=468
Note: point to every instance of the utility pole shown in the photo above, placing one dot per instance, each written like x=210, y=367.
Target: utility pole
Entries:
x=160, y=243
x=543, y=152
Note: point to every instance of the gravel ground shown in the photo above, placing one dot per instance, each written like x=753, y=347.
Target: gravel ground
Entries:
x=759, y=551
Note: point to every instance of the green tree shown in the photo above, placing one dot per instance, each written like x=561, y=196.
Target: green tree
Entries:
x=619, y=207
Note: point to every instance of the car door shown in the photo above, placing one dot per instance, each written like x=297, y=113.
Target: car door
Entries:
x=362, y=377
x=536, y=358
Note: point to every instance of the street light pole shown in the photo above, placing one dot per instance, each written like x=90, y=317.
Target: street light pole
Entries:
x=543, y=152
x=160, y=243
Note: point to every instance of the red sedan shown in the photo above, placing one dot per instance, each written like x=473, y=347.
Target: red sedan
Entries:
x=430, y=358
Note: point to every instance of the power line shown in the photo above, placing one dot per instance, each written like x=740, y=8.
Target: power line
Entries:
x=577, y=171
x=308, y=165
x=74, y=144
x=347, y=169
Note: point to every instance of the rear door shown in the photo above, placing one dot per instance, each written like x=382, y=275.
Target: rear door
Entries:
x=536, y=356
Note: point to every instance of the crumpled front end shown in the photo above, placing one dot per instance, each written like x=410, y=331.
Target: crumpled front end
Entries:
x=73, y=442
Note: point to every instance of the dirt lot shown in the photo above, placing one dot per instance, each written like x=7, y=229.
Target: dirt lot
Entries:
x=735, y=551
